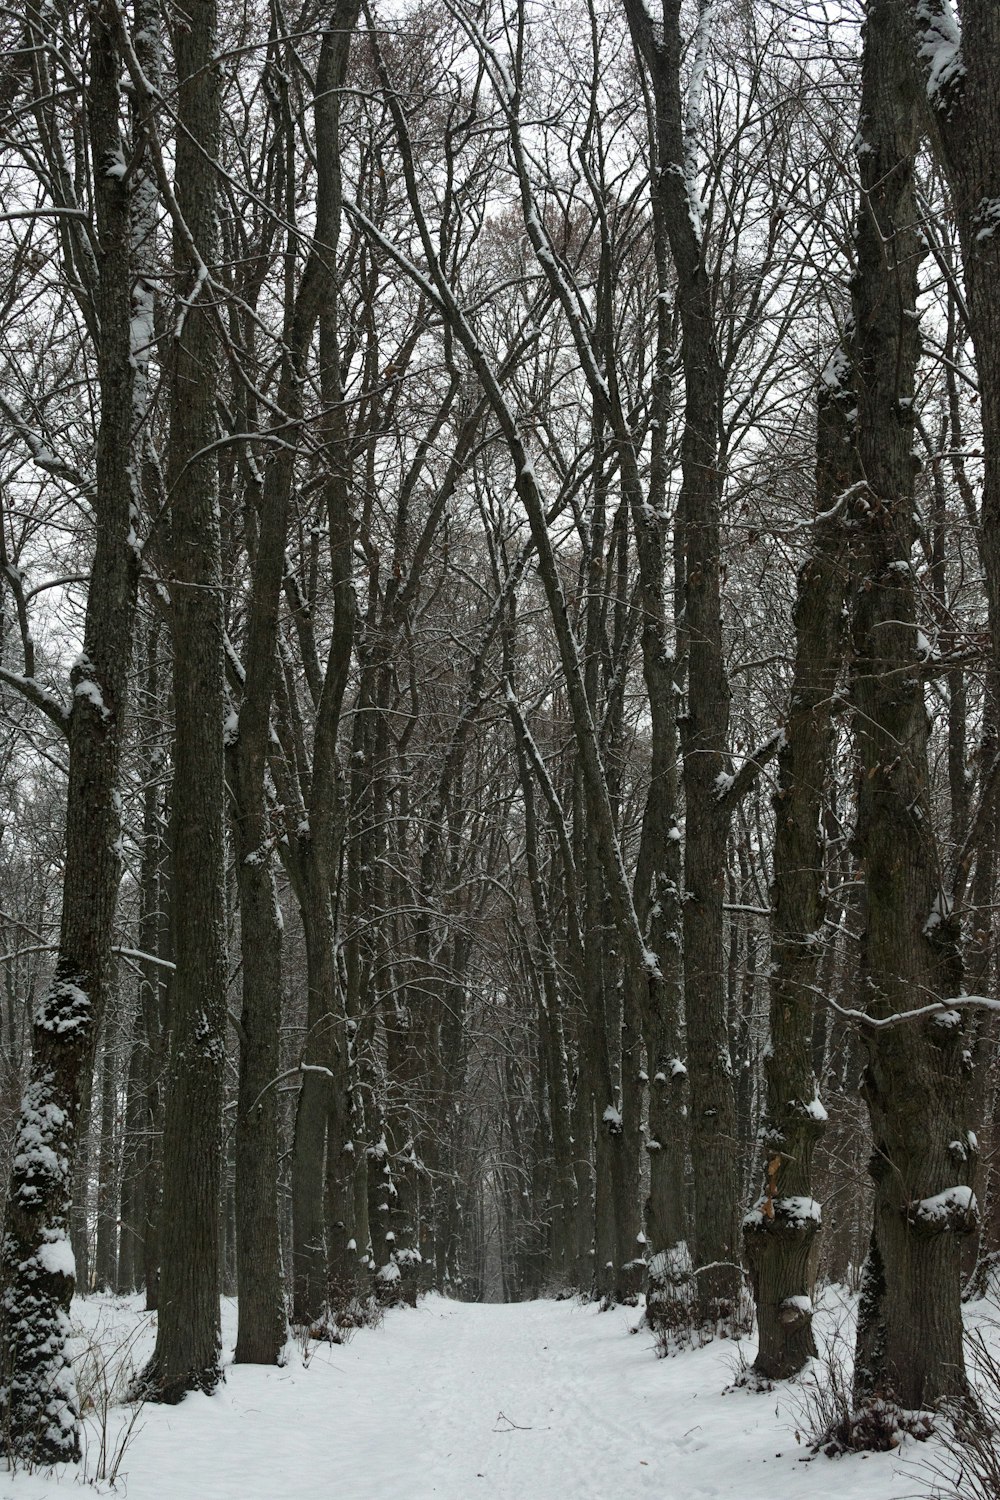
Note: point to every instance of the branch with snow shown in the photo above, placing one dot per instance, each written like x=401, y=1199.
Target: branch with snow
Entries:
x=939, y=48
x=40, y=697
x=693, y=123
x=43, y=456
x=946, y=1013
x=731, y=789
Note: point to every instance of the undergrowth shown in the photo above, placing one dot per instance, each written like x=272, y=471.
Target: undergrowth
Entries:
x=966, y=1460
x=338, y=1324
x=106, y=1376
x=830, y=1421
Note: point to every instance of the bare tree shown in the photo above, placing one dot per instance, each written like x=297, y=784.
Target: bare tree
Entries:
x=39, y=1399
x=780, y=1230
x=910, y=1327
x=188, y=1352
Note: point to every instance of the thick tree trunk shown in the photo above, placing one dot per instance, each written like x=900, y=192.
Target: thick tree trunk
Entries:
x=398, y=1256
x=584, y=1167
x=706, y=722
x=657, y=889
x=454, y=1059
x=780, y=1230
x=658, y=905
x=316, y=859
x=262, y=1321
x=149, y=1046
x=362, y=884
x=605, y=1125
x=397, y=1277
x=188, y=1350
x=630, y=1242
x=38, y=1407
x=963, y=107
x=910, y=1325
x=309, y=1256
x=957, y=92
x=344, y=1246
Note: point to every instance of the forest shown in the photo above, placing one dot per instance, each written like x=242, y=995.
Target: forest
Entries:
x=499, y=678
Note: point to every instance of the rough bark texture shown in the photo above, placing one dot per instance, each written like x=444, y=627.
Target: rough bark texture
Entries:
x=79, y=1214
x=963, y=109
x=260, y=1289
x=309, y=1142
x=957, y=72
x=263, y=1324
x=705, y=725
x=37, y=1391
x=188, y=1352
x=326, y=1056
x=154, y=995
x=780, y=1230
x=658, y=877
x=910, y=1326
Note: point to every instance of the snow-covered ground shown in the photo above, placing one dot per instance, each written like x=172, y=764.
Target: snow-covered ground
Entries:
x=463, y=1402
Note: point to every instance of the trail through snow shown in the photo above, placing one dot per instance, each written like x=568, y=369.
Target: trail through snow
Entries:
x=468, y=1402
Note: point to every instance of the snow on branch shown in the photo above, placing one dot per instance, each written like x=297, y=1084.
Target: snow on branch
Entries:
x=141, y=957
x=42, y=455
x=732, y=788
x=956, y=1208
x=940, y=49
x=946, y=1013
x=693, y=123
x=50, y=704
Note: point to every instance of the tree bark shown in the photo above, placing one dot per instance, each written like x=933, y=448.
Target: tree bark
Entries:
x=106, y=1251
x=188, y=1343
x=38, y=1407
x=704, y=727
x=318, y=845
x=780, y=1231
x=956, y=66
x=910, y=1325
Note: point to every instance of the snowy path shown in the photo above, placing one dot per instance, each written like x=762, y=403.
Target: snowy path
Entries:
x=460, y=1402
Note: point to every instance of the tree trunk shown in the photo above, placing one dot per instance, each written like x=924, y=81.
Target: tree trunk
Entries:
x=957, y=64
x=705, y=725
x=38, y=1407
x=79, y=1214
x=344, y=1248
x=309, y=1286
x=188, y=1343
x=910, y=1324
x=963, y=108
x=134, y=1151
x=780, y=1230
x=106, y=1253
x=262, y=1321
x=155, y=996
